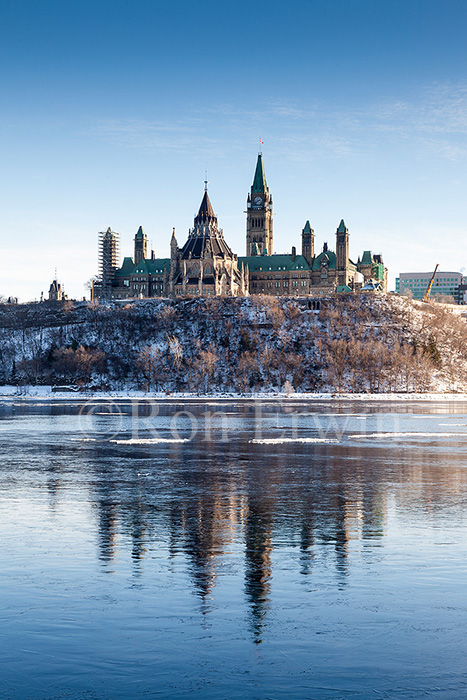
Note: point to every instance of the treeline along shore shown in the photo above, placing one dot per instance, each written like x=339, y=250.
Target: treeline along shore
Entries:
x=352, y=343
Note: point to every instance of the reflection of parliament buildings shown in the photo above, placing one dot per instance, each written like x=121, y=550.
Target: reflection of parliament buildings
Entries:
x=206, y=266
x=258, y=512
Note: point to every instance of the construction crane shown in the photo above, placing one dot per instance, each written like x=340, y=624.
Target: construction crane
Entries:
x=428, y=289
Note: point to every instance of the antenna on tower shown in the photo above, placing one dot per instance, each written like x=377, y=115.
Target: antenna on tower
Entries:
x=260, y=151
x=206, y=181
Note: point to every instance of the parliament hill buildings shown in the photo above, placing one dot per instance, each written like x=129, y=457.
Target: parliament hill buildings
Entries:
x=205, y=265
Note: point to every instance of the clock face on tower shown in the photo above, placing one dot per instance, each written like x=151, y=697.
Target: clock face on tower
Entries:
x=257, y=201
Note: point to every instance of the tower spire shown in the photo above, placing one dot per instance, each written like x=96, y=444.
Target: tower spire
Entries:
x=308, y=243
x=259, y=181
x=342, y=253
x=259, y=213
x=206, y=212
x=141, y=245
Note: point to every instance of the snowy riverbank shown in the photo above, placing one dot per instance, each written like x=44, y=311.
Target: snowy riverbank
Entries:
x=231, y=347
x=28, y=393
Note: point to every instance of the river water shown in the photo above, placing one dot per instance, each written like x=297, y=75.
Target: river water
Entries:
x=233, y=550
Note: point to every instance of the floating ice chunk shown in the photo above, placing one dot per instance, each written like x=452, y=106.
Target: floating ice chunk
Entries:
x=366, y=436
x=279, y=441
x=106, y=413
x=148, y=441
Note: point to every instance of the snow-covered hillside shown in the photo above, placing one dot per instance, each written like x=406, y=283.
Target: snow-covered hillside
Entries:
x=356, y=343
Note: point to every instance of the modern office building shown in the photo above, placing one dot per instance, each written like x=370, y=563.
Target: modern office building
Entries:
x=445, y=284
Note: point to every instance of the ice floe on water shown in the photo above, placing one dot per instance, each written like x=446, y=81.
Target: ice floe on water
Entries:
x=106, y=413
x=148, y=441
x=280, y=441
x=367, y=436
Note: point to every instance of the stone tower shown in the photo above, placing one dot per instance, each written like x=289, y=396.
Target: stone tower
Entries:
x=342, y=253
x=308, y=243
x=141, y=246
x=56, y=291
x=259, y=233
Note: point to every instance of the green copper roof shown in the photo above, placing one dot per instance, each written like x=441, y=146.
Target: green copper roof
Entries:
x=367, y=258
x=157, y=266
x=273, y=263
x=126, y=268
x=342, y=288
x=145, y=267
x=140, y=233
x=259, y=182
x=342, y=227
x=307, y=228
x=141, y=268
x=330, y=257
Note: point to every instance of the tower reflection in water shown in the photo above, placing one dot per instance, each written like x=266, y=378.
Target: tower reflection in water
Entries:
x=204, y=502
x=199, y=564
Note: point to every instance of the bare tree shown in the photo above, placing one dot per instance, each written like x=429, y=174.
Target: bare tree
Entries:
x=147, y=362
x=206, y=363
x=64, y=364
x=336, y=357
x=407, y=366
x=175, y=350
x=247, y=370
x=87, y=360
x=268, y=360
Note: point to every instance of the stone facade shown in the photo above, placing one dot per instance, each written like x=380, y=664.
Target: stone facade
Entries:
x=259, y=225
x=56, y=292
x=305, y=274
x=206, y=266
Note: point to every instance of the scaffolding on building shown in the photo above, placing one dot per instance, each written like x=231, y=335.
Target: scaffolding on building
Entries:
x=109, y=254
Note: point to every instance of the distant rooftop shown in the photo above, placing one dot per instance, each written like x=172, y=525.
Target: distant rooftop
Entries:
x=429, y=274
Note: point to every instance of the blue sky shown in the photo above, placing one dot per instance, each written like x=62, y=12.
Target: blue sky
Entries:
x=112, y=111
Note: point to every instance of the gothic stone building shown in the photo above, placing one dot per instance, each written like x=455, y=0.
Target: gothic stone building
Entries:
x=206, y=266
x=306, y=273
x=56, y=292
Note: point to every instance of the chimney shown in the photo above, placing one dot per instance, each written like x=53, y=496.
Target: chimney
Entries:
x=153, y=255
x=294, y=253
